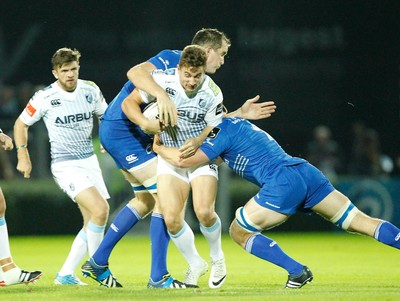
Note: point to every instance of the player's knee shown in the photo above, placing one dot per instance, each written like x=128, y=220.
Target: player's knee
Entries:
x=101, y=211
x=344, y=217
x=242, y=227
x=173, y=222
x=206, y=216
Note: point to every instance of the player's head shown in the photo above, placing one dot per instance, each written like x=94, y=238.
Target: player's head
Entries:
x=192, y=67
x=65, y=64
x=216, y=44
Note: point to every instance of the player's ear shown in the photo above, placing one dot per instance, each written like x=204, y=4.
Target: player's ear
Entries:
x=54, y=73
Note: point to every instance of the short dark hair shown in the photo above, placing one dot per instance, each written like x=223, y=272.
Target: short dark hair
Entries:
x=210, y=37
x=193, y=56
x=64, y=55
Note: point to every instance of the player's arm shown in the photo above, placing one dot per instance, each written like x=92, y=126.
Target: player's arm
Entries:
x=140, y=76
x=192, y=144
x=173, y=155
x=252, y=110
x=24, y=164
x=6, y=141
x=131, y=107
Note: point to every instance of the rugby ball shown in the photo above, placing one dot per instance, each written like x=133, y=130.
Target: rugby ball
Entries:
x=151, y=111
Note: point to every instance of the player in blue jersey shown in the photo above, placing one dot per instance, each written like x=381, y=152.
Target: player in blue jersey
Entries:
x=287, y=185
x=10, y=273
x=130, y=148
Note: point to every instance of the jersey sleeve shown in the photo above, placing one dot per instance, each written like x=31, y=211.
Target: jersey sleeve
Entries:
x=215, y=144
x=101, y=104
x=214, y=115
x=34, y=110
x=166, y=59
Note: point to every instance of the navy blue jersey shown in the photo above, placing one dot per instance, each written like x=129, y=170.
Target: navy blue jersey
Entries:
x=249, y=151
x=163, y=60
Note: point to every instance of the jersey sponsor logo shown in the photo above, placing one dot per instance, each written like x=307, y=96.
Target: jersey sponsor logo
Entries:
x=214, y=132
x=170, y=91
x=30, y=109
x=131, y=158
x=214, y=88
x=55, y=102
x=74, y=118
x=191, y=115
x=219, y=109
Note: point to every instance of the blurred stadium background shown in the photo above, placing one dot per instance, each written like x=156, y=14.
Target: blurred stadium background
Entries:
x=330, y=63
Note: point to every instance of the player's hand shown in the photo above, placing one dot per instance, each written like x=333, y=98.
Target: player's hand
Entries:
x=24, y=165
x=156, y=143
x=252, y=110
x=189, y=148
x=6, y=142
x=168, y=114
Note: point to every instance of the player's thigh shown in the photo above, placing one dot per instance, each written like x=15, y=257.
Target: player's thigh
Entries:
x=263, y=217
x=204, y=191
x=143, y=176
x=91, y=200
x=2, y=203
x=172, y=195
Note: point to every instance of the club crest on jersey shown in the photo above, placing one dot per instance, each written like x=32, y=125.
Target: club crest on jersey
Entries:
x=202, y=103
x=55, y=102
x=89, y=98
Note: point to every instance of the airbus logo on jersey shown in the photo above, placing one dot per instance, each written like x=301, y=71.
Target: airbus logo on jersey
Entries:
x=74, y=118
x=131, y=158
x=55, y=102
x=170, y=91
x=191, y=115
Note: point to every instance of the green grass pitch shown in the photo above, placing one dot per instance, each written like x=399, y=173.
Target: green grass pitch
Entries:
x=345, y=266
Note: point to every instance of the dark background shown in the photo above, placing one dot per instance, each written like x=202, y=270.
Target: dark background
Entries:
x=323, y=62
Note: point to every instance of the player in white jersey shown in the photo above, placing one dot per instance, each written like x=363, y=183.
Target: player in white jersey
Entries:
x=10, y=273
x=67, y=107
x=198, y=101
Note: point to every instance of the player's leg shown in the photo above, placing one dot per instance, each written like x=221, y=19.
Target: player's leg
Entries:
x=10, y=273
x=83, y=182
x=173, y=190
x=210, y=223
x=246, y=231
x=337, y=208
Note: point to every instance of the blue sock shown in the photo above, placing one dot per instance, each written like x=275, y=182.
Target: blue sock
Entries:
x=267, y=249
x=159, y=238
x=122, y=223
x=388, y=234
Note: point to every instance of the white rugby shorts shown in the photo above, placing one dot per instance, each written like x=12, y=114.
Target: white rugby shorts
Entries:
x=74, y=176
x=187, y=174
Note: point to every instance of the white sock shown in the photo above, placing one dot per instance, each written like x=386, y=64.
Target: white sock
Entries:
x=184, y=241
x=4, y=243
x=76, y=254
x=95, y=234
x=213, y=236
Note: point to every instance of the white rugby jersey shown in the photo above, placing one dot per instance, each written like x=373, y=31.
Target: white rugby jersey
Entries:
x=68, y=117
x=194, y=113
